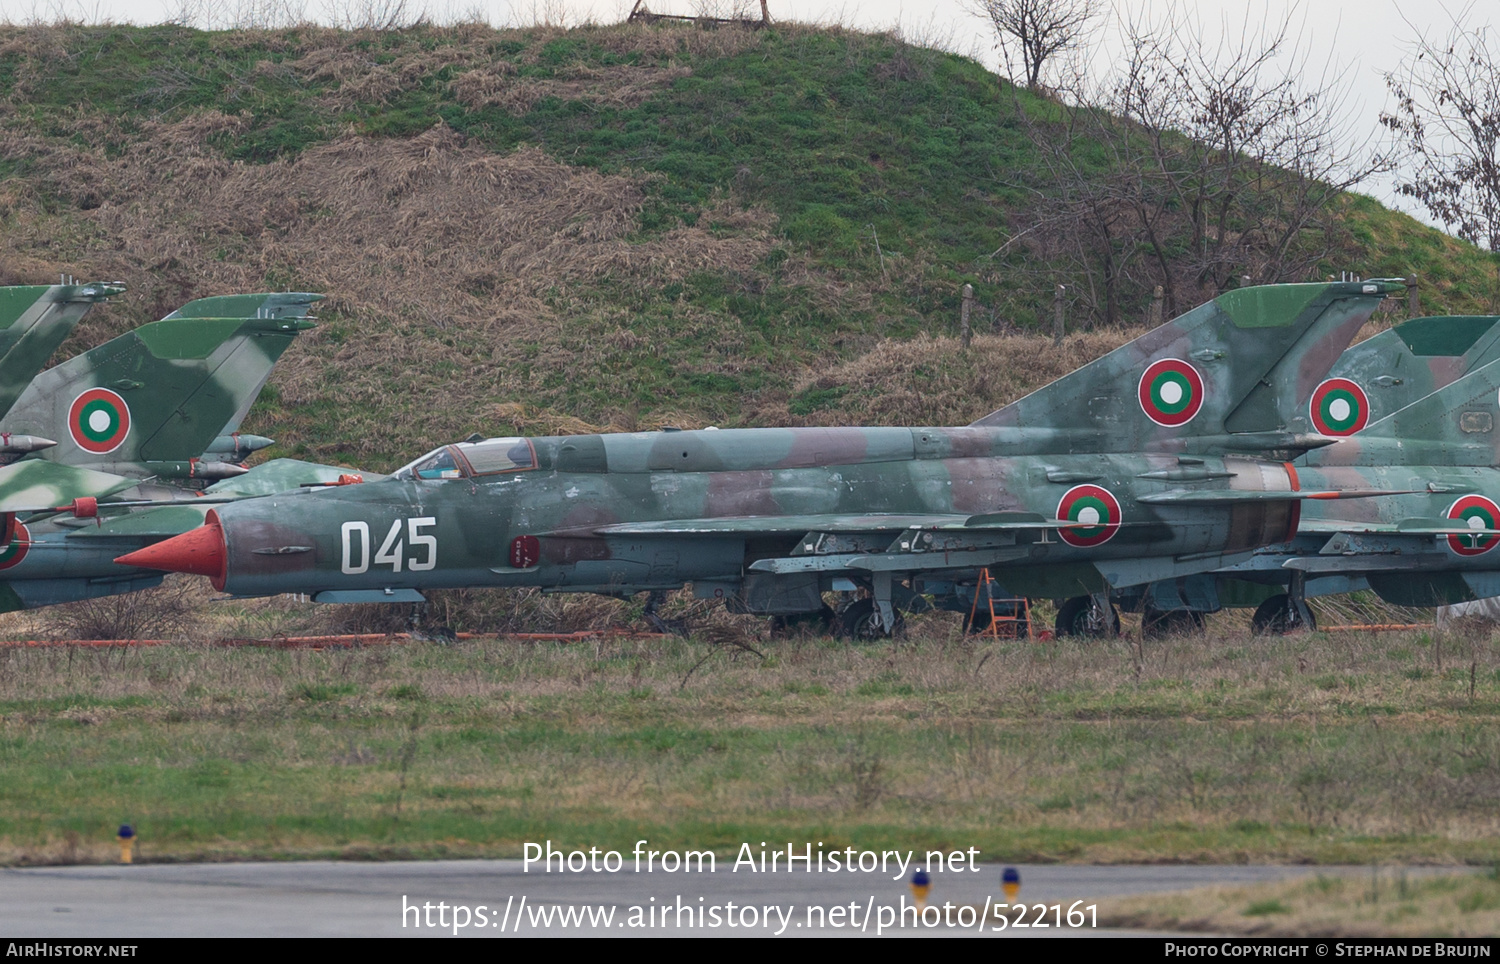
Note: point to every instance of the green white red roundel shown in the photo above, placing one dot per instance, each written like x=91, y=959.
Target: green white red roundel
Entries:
x=99, y=420
x=1093, y=505
x=1171, y=392
x=1477, y=512
x=1339, y=407
x=20, y=544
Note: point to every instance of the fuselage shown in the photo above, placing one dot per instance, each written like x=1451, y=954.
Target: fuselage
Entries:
x=728, y=509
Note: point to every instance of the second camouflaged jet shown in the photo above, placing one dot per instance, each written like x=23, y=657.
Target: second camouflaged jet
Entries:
x=133, y=415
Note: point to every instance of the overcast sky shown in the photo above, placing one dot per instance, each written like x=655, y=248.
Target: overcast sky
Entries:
x=1362, y=38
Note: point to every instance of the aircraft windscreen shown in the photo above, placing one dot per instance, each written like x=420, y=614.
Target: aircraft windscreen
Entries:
x=498, y=455
x=437, y=464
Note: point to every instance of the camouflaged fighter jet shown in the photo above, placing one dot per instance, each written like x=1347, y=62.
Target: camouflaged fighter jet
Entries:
x=139, y=406
x=34, y=321
x=1047, y=493
x=1371, y=380
x=156, y=400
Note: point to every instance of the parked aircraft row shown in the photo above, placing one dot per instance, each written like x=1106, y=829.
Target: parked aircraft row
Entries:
x=1239, y=455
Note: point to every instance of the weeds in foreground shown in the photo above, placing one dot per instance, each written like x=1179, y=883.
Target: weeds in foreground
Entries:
x=1331, y=747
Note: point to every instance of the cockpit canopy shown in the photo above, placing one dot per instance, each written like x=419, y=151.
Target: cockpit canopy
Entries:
x=466, y=460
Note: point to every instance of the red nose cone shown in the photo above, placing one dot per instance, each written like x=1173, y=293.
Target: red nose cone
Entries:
x=199, y=551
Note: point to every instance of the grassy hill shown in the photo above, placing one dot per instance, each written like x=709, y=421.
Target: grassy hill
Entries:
x=546, y=230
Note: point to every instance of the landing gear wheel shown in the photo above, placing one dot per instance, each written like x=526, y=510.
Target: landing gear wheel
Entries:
x=1278, y=617
x=819, y=623
x=1081, y=616
x=1156, y=623
x=857, y=622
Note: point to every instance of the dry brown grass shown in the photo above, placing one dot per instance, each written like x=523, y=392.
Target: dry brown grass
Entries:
x=619, y=86
x=441, y=252
x=934, y=381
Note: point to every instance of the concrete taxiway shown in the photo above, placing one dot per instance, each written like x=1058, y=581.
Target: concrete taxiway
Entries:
x=328, y=899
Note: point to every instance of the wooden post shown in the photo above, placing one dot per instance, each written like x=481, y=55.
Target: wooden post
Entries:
x=1156, y=297
x=1057, y=315
x=964, y=334
x=1413, y=299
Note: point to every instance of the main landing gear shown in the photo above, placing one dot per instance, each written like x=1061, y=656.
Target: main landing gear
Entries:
x=1287, y=613
x=1088, y=616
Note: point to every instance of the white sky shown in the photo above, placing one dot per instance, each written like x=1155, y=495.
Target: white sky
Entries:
x=1364, y=38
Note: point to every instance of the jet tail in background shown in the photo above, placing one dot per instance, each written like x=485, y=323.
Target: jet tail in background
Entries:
x=1397, y=367
x=34, y=321
x=274, y=304
x=1458, y=424
x=1243, y=364
x=151, y=401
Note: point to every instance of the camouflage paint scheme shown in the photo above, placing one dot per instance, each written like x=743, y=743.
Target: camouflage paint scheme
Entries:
x=34, y=321
x=1445, y=447
x=66, y=559
x=185, y=383
x=185, y=380
x=768, y=519
x=1258, y=351
x=1376, y=545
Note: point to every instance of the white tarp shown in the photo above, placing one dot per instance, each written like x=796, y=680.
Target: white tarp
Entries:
x=1488, y=609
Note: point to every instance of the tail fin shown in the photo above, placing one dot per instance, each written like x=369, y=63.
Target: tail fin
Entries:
x=160, y=394
x=1245, y=363
x=34, y=320
x=276, y=304
x=1400, y=366
x=1458, y=424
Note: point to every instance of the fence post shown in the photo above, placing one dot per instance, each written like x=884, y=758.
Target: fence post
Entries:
x=1413, y=300
x=1156, y=297
x=1057, y=315
x=964, y=333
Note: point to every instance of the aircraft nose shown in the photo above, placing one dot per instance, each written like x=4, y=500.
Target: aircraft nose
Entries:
x=199, y=551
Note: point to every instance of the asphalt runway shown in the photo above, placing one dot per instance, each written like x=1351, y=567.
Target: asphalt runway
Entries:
x=327, y=899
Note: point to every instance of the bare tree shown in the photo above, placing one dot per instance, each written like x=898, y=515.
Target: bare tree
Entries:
x=1037, y=30
x=1193, y=165
x=1447, y=117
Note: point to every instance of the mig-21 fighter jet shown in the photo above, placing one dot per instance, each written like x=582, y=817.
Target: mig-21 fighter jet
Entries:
x=1164, y=458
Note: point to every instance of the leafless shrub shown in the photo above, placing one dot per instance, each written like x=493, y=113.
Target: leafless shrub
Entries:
x=1223, y=163
x=170, y=611
x=376, y=15
x=1037, y=31
x=1447, y=119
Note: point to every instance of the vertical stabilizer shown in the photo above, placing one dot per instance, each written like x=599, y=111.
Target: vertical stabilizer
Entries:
x=1244, y=363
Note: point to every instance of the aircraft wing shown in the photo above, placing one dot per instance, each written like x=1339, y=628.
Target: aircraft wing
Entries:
x=798, y=524
x=281, y=475
x=1406, y=527
x=147, y=525
x=777, y=525
x=36, y=485
x=1237, y=496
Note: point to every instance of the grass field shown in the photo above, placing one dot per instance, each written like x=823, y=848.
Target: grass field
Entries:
x=1337, y=747
x=1380, y=902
